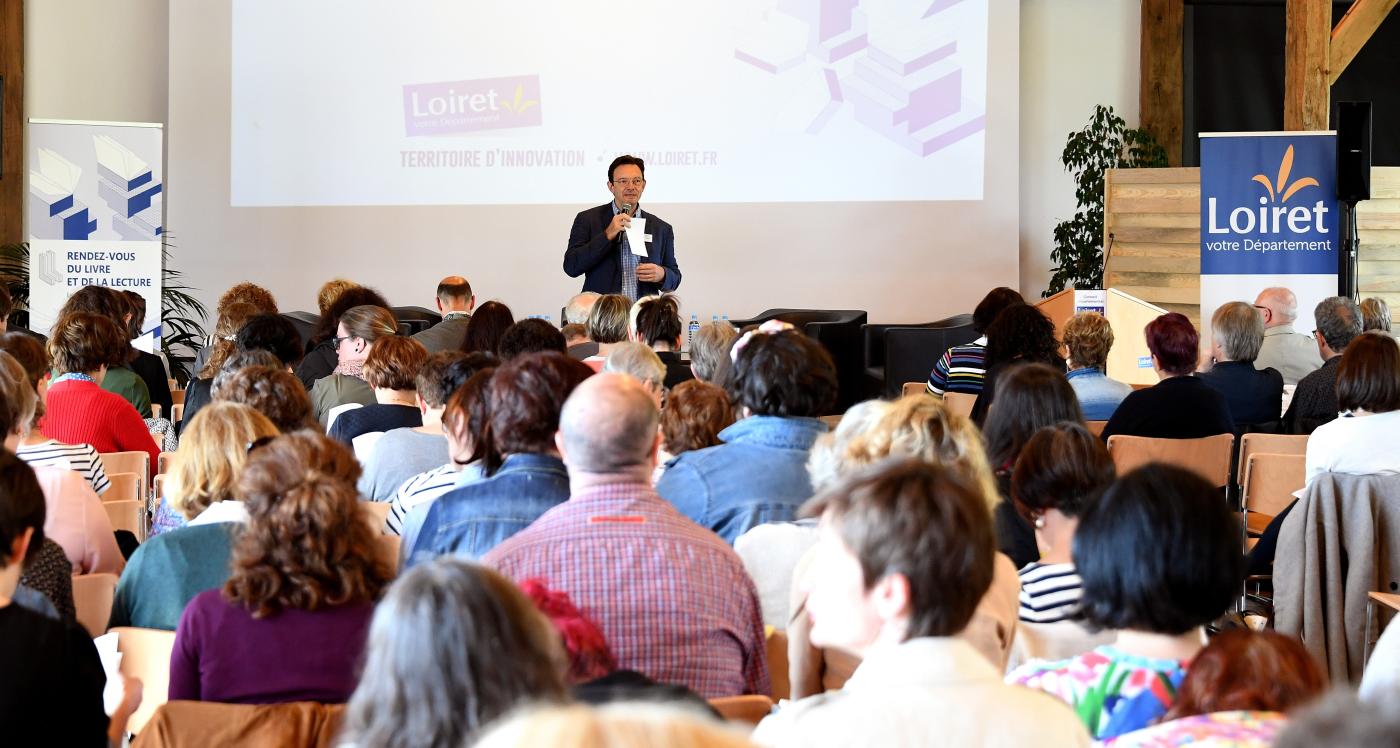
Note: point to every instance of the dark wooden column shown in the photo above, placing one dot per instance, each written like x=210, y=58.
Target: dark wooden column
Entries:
x=1307, y=88
x=1160, y=93
x=12, y=121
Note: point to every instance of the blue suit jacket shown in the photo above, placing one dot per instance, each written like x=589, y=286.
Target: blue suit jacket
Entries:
x=591, y=255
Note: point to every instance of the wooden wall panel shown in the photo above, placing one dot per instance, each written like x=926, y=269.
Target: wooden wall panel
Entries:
x=12, y=121
x=1155, y=218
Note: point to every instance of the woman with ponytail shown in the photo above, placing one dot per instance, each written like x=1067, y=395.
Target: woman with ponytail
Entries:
x=656, y=321
x=290, y=623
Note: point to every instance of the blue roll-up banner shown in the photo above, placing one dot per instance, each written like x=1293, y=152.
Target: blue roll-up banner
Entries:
x=94, y=215
x=1269, y=217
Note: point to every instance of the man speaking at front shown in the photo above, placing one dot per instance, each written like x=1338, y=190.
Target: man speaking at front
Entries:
x=599, y=243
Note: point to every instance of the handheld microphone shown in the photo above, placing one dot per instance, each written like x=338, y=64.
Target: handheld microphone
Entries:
x=627, y=208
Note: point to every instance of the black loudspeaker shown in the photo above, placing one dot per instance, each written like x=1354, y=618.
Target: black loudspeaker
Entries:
x=1353, y=151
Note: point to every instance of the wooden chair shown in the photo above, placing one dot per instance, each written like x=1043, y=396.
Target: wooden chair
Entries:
x=125, y=487
x=92, y=599
x=177, y=397
x=831, y=421
x=172, y=384
x=1269, y=483
x=127, y=515
x=375, y=514
x=777, y=642
x=913, y=388
x=177, y=411
x=960, y=403
x=163, y=462
x=207, y=723
x=1274, y=444
x=1096, y=427
x=146, y=655
x=1208, y=457
x=744, y=709
x=156, y=410
x=129, y=462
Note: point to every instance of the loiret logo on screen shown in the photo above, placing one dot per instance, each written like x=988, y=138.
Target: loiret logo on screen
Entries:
x=1282, y=207
x=456, y=107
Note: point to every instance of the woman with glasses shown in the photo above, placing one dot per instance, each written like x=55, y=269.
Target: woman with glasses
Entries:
x=355, y=334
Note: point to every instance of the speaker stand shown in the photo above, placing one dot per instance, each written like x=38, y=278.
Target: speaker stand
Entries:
x=1347, y=267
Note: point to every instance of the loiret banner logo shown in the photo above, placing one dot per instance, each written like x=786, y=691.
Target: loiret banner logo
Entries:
x=457, y=107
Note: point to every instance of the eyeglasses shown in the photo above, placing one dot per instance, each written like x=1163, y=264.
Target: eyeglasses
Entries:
x=633, y=182
x=339, y=340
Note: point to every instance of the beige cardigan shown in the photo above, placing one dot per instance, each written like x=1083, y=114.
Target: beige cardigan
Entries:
x=1331, y=553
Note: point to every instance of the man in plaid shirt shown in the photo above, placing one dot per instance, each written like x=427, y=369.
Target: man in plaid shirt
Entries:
x=671, y=597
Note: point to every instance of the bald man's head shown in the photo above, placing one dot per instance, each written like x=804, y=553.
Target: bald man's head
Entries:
x=609, y=425
x=454, y=294
x=576, y=311
x=1278, y=306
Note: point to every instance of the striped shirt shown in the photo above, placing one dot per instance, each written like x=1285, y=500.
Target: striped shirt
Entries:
x=960, y=369
x=423, y=489
x=1049, y=592
x=80, y=458
x=672, y=598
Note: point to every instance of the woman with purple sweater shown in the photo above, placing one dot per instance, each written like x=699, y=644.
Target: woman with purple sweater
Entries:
x=290, y=624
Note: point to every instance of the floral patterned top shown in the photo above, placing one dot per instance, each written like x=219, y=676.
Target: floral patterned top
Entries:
x=1113, y=692
x=1218, y=730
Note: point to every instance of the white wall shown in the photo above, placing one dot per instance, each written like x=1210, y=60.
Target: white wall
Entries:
x=1075, y=54
x=96, y=59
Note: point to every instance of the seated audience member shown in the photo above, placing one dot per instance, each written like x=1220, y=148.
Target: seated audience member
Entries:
x=119, y=378
x=290, y=623
x=201, y=518
x=359, y=329
x=464, y=421
x=622, y=553
x=642, y=364
x=574, y=335
x=77, y=409
x=454, y=301
x=50, y=573
x=1341, y=720
x=1180, y=406
x=525, y=397
x=452, y=648
x=1060, y=469
x=35, y=448
x=323, y=351
x=405, y=452
x=51, y=690
x=532, y=335
x=486, y=327
x=623, y=725
x=272, y=333
x=242, y=293
x=1137, y=580
x=225, y=345
x=1375, y=314
x=607, y=326
x=709, y=351
x=1239, y=689
x=905, y=555
x=781, y=382
x=1315, y=401
x=1291, y=353
x=147, y=366
x=1254, y=396
x=1088, y=338
x=75, y=518
x=391, y=369
x=1020, y=335
x=1360, y=441
x=272, y=391
x=961, y=368
x=657, y=322
x=922, y=428
x=695, y=414
x=576, y=313
x=1036, y=397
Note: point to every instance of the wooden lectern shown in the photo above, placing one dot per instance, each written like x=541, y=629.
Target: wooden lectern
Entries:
x=1128, y=315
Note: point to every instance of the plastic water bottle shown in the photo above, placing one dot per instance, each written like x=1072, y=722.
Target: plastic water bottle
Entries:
x=724, y=318
x=694, y=327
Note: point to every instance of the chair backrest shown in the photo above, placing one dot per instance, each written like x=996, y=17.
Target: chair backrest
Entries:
x=137, y=462
x=777, y=642
x=1208, y=457
x=125, y=487
x=127, y=515
x=959, y=402
x=300, y=723
x=335, y=412
x=364, y=445
x=1096, y=427
x=157, y=489
x=375, y=513
x=831, y=421
x=1270, y=480
x=92, y=600
x=749, y=709
x=156, y=410
x=910, y=352
x=163, y=462
x=913, y=388
x=1274, y=444
x=177, y=398
x=177, y=411
x=146, y=655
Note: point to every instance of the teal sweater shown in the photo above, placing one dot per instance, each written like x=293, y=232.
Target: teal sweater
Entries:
x=168, y=570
